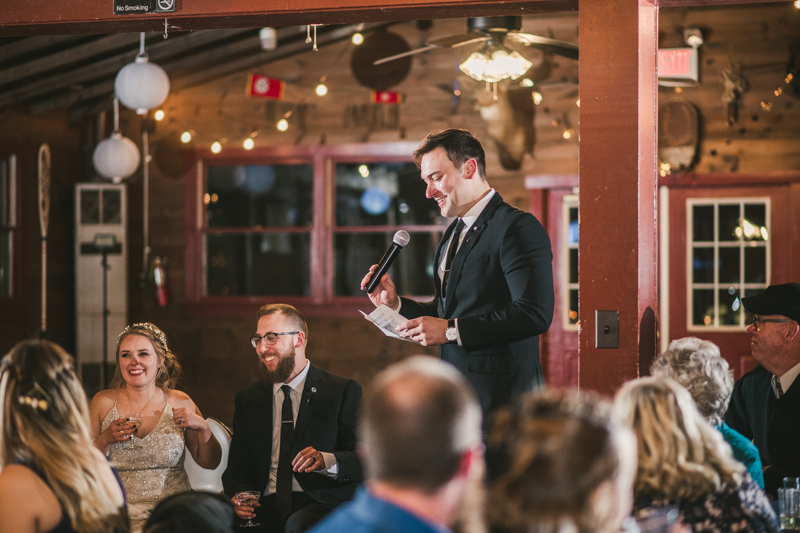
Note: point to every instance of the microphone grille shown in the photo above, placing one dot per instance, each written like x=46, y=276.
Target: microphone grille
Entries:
x=401, y=238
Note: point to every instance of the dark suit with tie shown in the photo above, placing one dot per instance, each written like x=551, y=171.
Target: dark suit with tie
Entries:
x=500, y=288
x=327, y=420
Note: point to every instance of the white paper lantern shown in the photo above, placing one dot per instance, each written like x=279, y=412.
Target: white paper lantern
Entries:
x=142, y=85
x=116, y=158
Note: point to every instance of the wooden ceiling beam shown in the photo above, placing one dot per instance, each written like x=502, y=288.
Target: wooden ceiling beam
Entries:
x=43, y=17
x=176, y=45
x=68, y=56
x=32, y=44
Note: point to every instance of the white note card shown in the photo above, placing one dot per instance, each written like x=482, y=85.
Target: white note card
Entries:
x=387, y=321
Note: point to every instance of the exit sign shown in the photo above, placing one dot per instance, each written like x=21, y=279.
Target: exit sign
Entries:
x=677, y=63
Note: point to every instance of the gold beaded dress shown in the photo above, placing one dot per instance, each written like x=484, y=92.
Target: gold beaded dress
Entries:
x=153, y=469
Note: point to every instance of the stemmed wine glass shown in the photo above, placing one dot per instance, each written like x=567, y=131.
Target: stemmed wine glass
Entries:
x=249, y=498
x=136, y=421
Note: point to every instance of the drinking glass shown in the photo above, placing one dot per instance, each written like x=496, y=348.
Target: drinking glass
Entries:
x=136, y=421
x=789, y=505
x=249, y=498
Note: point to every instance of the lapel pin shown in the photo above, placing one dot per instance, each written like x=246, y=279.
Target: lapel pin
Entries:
x=313, y=389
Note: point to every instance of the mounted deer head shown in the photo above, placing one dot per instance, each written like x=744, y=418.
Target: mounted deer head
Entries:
x=509, y=123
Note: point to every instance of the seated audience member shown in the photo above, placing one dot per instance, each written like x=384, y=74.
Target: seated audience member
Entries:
x=685, y=462
x=765, y=405
x=192, y=512
x=294, y=431
x=149, y=454
x=421, y=438
x=570, y=465
x=698, y=366
x=52, y=479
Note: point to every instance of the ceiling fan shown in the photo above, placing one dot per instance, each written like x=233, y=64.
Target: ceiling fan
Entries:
x=494, y=62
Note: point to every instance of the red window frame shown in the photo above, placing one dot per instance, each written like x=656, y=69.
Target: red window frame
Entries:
x=321, y=301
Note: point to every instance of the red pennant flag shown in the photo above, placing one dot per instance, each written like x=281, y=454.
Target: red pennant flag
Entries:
x=386, y=97
x=265, y=87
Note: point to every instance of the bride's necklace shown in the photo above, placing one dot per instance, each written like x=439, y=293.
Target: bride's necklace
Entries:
x=142, y=408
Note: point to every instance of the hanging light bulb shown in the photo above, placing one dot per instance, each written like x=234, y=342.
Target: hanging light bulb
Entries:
x=249, y=143
x=117, y=157
x=537, y=97
x=321, y=89
x=186, y=136
x=283, y=125
x=216, y=147
x=159, y=115
x=142, y=85
x=357, y=38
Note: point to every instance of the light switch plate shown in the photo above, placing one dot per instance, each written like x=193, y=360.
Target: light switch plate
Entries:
x=606, y=333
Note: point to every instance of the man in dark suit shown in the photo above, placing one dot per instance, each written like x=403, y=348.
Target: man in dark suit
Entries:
x=294, y=432
x=494, y=280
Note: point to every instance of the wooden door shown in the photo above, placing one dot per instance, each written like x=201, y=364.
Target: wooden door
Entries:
x=725, y=243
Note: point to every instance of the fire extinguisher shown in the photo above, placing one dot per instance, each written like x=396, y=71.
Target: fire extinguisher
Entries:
x=160, y=278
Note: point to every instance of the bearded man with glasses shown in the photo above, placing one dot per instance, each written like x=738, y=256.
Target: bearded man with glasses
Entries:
x=294, y=431
x=765, y=406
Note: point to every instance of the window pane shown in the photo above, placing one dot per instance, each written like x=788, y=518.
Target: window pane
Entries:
x=756, y=214
x=703, y=216
x=729, y=265
x=703, y=312
x=260, y=195
x=573, y=265
x=5, y=264
x=728, y=222
x=379, y=194
x=412, y=270
x=112, y=206
x=572, y=236
x=729, y=306
x=573, y=315
x=4, y=191
x=703, y=265
x=755, y=265
x=90, y=206
x=258, y=264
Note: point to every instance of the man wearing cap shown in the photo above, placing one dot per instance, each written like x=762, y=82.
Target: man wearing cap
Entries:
x=765, y=405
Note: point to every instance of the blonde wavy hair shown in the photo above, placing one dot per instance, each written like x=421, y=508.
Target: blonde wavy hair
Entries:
x=169, y=370
x=44, y=423
x=680, y=455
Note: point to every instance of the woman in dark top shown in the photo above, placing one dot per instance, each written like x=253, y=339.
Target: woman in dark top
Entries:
x=52, y=479
x=683, y=461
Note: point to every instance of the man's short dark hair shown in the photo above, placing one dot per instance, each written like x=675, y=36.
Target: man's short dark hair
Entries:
x=459, y=145
x=296, y=320
x=420, y=417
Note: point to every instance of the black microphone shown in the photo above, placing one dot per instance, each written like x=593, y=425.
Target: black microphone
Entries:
x=399, y=240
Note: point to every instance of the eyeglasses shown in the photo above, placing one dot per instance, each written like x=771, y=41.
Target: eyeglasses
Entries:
x=270, y=337
x=757, y=320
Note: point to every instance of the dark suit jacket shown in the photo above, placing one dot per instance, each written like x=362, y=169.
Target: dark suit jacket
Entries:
x=501, y=291
x=327, y=420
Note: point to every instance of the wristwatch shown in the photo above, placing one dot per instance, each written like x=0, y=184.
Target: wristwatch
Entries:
x=451, y=333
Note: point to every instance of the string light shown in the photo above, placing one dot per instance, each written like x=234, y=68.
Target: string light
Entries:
x=567, y=133
x=159, y=115
x=797, y=4
x=249, y=143
x=357, y=38
x=216, y=147
x=186, y=137
x=282, y=125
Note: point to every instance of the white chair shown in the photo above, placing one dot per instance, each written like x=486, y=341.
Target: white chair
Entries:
x=210, y=480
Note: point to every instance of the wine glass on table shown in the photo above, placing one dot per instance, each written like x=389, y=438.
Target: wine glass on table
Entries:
x=136, y=421
x=249, y=498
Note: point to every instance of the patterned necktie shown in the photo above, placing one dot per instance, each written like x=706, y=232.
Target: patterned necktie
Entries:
x=451, y=252
x=776, y=386
x=283, y=485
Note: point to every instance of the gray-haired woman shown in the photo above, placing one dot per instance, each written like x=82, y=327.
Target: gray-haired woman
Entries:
x=698, y=366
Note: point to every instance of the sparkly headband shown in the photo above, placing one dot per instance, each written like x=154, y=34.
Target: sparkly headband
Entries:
x=149, y=327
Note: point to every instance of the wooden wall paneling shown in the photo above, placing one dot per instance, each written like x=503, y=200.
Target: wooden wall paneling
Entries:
x=618, y=249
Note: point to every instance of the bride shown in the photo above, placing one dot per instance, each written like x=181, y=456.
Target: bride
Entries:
x=144, y=426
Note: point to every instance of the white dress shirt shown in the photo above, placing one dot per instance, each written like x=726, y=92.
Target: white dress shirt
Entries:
x=788, y=378
x=296, y=395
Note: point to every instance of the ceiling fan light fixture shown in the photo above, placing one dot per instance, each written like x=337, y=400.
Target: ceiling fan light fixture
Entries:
x=495, y=63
